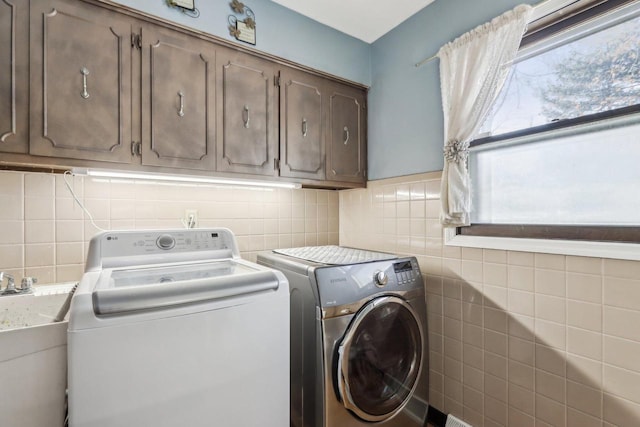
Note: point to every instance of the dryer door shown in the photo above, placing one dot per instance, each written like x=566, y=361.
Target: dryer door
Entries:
x=380, y=358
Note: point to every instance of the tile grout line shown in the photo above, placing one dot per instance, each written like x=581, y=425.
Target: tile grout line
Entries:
x=566, y=343
x=602, y=390
x=535, y=343
x=507, y=335
x=55, y=230
x=24, y=224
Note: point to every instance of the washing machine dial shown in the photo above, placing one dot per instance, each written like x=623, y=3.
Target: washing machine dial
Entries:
x=166, y=242
x=380, y=278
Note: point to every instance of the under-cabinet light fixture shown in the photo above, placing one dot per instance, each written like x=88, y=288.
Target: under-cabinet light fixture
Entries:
x=103, y=173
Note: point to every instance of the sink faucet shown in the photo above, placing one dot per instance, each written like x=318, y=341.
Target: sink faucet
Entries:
x=25, y=285
x=11, y=285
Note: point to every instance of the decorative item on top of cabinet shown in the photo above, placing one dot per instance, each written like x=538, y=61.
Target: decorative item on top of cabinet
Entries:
x=187, y=7
x=242, y=30
x=302, y=130
x=14, y=78
x=346, y=131
x=184, y=4
x=178, y=95
x=80, y=81
x=247, y=114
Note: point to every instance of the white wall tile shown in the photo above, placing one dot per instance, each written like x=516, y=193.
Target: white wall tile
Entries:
x=624, y=293
x=12, y=232
x=622, y=383
x=38, y=255
x=12, y=256
x=585, y=287
x=13, y=208
x=621, y=268
x=11, y=183
x=550, y=282
x=39, y=208
x=39, y=231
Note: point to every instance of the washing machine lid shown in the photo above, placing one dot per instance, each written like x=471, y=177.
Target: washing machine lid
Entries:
x=149, y=287
x=380, y=358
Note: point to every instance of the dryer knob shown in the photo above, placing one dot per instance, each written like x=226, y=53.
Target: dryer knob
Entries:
x=166, y=242
x=380, y=278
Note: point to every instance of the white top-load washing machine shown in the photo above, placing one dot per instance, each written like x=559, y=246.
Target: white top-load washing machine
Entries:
x=359, y=345
x=172, y=328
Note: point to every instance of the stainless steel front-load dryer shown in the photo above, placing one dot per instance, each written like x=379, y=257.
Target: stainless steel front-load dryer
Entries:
x=359, y=350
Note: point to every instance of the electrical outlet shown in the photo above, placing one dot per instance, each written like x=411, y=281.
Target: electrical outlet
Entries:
x=190, y=218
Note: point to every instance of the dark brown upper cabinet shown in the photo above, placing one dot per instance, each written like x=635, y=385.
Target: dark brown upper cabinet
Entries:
x=346, y=130
x=302, y=130
x=90, y=83
x=14, y=76
x=178, y=100
x=247, y=114
x=80, y=81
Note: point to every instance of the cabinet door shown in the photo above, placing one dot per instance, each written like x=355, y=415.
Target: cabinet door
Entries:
x=178, y=100
x=302, y=129
x=247, y=114
x=346, y=148
x=14, y=77
x=80, y=81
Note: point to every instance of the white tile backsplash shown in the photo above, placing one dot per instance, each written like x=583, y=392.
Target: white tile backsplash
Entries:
x=45, y=234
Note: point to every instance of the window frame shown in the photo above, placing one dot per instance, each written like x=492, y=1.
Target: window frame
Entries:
x=621, y=242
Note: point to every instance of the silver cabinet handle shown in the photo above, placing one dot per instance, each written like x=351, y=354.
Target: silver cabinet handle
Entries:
x=346, y=135
x=246, y=120
x=181, y=110
x=304, y=127
x=84, y=73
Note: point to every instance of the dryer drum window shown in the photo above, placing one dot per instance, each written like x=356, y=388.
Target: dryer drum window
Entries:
x=380, y=359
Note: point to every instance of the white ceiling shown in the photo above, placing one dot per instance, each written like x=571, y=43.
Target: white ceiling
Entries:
x=366, y=20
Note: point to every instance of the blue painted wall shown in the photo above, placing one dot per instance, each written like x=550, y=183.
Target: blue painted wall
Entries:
x=280, y=32
x=405, y=110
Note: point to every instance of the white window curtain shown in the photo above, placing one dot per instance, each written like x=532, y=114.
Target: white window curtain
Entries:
x=473, y=69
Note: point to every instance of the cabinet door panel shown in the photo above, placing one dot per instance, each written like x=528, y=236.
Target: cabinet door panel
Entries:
x=81, y=76
x=178, y=100
x=301, y=126
x=14, y=79
x=346, y=156
x=249, y=117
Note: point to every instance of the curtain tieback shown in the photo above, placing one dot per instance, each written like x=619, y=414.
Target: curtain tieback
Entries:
x=456, y=151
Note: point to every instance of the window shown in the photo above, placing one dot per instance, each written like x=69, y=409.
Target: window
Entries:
x=559, y=157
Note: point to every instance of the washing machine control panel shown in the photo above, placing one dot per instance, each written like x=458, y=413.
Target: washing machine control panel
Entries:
x=173, y=245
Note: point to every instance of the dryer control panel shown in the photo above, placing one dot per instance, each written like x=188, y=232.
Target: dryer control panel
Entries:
x=405, y=272
x=346, y=284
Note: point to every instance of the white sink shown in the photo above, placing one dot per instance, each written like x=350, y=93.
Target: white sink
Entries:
x=33, y=358
x=38, y=308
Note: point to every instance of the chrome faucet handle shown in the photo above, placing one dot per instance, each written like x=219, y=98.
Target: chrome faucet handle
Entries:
x=27, y=283
x=10, y=279
x=11, y=285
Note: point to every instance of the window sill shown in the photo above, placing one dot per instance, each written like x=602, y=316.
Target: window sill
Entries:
x=627, y=251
